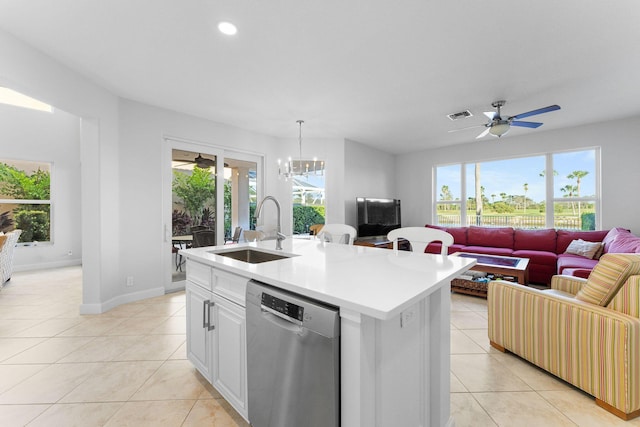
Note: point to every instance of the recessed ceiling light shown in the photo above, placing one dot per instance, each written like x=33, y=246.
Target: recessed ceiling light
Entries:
x=227, y=28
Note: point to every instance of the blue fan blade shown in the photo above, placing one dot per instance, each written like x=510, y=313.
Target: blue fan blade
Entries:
x=526, y=124
x=538, y=111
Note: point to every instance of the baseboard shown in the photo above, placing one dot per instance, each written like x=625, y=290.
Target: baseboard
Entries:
x=47, y=265
x=119, y=300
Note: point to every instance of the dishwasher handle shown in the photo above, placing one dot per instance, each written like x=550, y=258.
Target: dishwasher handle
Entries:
x=278, y=319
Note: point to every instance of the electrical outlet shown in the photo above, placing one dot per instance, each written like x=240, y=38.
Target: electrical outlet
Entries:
x=129, y=281
x=407, y=317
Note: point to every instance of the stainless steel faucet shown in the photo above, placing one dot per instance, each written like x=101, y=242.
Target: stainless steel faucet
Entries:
x=279, y=236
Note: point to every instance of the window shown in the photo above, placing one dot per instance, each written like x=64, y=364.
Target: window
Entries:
x=556, y=190
x=25, y=199
x=308, y=196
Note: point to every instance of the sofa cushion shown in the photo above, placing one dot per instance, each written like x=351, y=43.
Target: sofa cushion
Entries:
x=537, y=240
x=459, y=233
x=569, y=261
x=565, y=237
x=435, y=248
x=611, y=235
x=537, y=257
x=583, y=273
x=488, y=250
x=625, y=242
x=490, y=236
x=607, y=277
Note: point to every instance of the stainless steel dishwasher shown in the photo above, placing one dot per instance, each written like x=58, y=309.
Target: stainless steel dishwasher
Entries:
x=293, y=359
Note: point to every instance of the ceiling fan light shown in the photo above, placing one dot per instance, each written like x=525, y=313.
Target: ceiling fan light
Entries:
x=499, y=129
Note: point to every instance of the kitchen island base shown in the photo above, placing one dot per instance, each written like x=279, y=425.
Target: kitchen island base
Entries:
x=396, y=371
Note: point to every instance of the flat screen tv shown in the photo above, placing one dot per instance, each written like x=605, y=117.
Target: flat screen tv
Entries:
x=376, y=217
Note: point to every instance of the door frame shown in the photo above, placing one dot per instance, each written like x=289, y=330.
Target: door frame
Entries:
x=169, y=144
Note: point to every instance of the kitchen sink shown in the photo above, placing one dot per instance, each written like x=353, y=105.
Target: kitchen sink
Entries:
x=252, y=256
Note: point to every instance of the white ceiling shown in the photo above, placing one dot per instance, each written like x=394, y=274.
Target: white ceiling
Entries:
x=379, y=72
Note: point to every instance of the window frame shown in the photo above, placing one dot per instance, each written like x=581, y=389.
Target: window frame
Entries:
x=550, y=198
x=49, y=202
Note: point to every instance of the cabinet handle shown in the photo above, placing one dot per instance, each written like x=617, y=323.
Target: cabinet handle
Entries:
x=205, y=304
x=211, y=327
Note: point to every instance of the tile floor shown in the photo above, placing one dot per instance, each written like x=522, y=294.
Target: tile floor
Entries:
x=128, y=367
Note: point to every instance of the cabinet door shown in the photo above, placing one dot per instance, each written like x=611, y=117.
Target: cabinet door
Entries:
x=198, y=337
x=229, y=369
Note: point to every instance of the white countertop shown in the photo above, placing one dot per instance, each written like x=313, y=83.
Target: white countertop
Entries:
x=380, y=283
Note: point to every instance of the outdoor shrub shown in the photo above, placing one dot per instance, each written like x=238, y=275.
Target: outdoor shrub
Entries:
x=180, y=222
x=208, y=219
x=588, y=221
x=305, y=216
x=34, y=225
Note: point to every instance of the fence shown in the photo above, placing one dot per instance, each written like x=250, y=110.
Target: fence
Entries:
x=515, y=221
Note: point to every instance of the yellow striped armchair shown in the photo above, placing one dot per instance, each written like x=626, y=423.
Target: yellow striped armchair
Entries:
x=584, y=331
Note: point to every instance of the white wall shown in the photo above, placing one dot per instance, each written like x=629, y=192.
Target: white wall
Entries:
x=368, y=173
x=144, y=253
x=35, y=74
x=620, y=173
x=48, y=137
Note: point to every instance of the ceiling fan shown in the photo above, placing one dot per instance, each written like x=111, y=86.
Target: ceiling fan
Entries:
x=199, y=161
x=203, y=162
x=498, y=126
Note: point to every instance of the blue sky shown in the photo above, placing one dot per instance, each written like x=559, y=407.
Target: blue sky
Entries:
x=509, y=176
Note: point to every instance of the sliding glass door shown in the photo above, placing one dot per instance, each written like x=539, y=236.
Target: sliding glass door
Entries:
x=206, y=189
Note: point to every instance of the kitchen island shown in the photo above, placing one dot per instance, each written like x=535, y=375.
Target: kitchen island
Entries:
x=394, y=312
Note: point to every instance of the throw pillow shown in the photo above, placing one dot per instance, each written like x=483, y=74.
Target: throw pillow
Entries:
x=607, y=277
x=625, y=243
x=584, y=248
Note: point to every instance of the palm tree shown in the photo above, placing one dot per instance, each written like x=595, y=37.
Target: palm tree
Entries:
x=526, y=188
x=569, y=189
x=578, y=175
x=478, y=196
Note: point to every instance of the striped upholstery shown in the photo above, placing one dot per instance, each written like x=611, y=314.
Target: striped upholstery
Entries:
x=569, y=284
x=608, y=276
x=592, y=347
x=627, y=300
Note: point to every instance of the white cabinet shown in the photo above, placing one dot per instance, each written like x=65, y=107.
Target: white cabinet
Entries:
x=198, y=336
x=216, y=330
x=229, y=370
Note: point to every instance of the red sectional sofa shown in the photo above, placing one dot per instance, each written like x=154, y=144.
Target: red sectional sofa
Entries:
x=545, y=248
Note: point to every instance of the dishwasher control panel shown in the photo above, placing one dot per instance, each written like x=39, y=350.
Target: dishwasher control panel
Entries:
x=289, y=309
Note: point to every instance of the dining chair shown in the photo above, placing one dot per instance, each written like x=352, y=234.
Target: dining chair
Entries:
x=204, y=238
x=236, y=236
x=338, y=233
x=253, y=235
x=315, y=229
x=420, y=237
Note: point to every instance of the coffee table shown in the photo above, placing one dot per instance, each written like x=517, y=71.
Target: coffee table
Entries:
x=498, y=264
x=494, y=264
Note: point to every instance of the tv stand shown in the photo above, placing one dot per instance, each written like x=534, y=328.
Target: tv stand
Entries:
x=381, y=242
